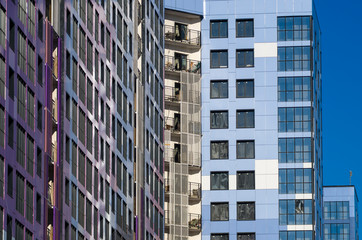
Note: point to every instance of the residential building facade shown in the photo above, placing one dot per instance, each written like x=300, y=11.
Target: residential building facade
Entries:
x=183, y=119
x=340, y=212
x=261, y=120
x=75, y=119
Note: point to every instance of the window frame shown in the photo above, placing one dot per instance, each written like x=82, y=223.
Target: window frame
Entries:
x=244, y=21
x=219, y=21
x=237, y=86
x=218, y=216
x=219, y=81
x=238, y=173
x=245, y=111
x=238, y=53
x=219, y=141
x=245, y=141
x=245, y=219
x=219, y=112
x=219, y=51
x=211, y=181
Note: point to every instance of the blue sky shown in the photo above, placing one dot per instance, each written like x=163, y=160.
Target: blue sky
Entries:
x=341, y=24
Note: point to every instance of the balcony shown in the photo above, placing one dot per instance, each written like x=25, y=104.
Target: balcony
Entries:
x=167, y=188
x=53, y=156
x=54, y=111
x=184, y=37
x=181, y=64
x=51, y=193
x=194, y=192
x=194, y=221
x=167, y=221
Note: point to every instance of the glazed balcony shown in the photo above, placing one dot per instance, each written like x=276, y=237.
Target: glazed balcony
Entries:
x=167, y=221
x=167, y=188
x=181, y=64
x=194, y=221
x=194, y=192
x=181, y=35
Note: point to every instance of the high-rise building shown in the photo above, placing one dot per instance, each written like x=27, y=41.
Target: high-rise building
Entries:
x=80, y=146
x=183, y=119
x=340, y=213
x=261, y=120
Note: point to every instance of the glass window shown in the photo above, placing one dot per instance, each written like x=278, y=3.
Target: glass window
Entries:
x=295, y=212
x=219, y=236
x=336, y=231
x=219, y=89
x=219, y=119
x=294, y=119
x=294, y=150
x=245, y=119
x=245, y=88
x=245, y=180
x=2, y=27
x=20, y=193
x=245, y=150
x=294, y=89
x=219, y=180
x=334, y=210
x=218, y=28
x=21, y=51
x=294, y=59
x=293, y=181
x=218, y=58
x=31, y=63
x=246, y=211
x=295, y=235
x=219, y=149
x=2, y=76
x=246, y=236
x=294, y=28
x=244, y=28
x=245, y=58
x=219, y=211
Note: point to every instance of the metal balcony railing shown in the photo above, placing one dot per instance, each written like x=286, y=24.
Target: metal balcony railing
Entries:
x=167, y=186
x=167, y=218
x=51, y=193
x=53, y=153
x=178, y=64
x=194, y=221
x=194, y=191
x=189, y=36
x=174, y=95
x=173, y=124
x=54, y=110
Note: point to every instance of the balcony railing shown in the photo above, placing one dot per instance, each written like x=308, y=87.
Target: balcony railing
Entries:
x=178, y=64
x=173, y=124
x=194, y=191
x=167, y=186
x=53, y=156
x=193, y=159
x=54, y=111
x=173, y=94
x=189, y=36
x=167, y=218
x=194, y=221
x=51, y=193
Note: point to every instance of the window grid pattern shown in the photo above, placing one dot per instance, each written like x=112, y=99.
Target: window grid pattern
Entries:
x=219, y=211
x=295, y=150
x=219, y=89
x=337, y=231
x=294, y=119
x=295, y=235
x=295, y=181
x=294, y=59
x=245, y=149
x=294, y=89
x=336, y=210
x=244, y=28
x=245, y=88
x=294, y=28
x=295, y=212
